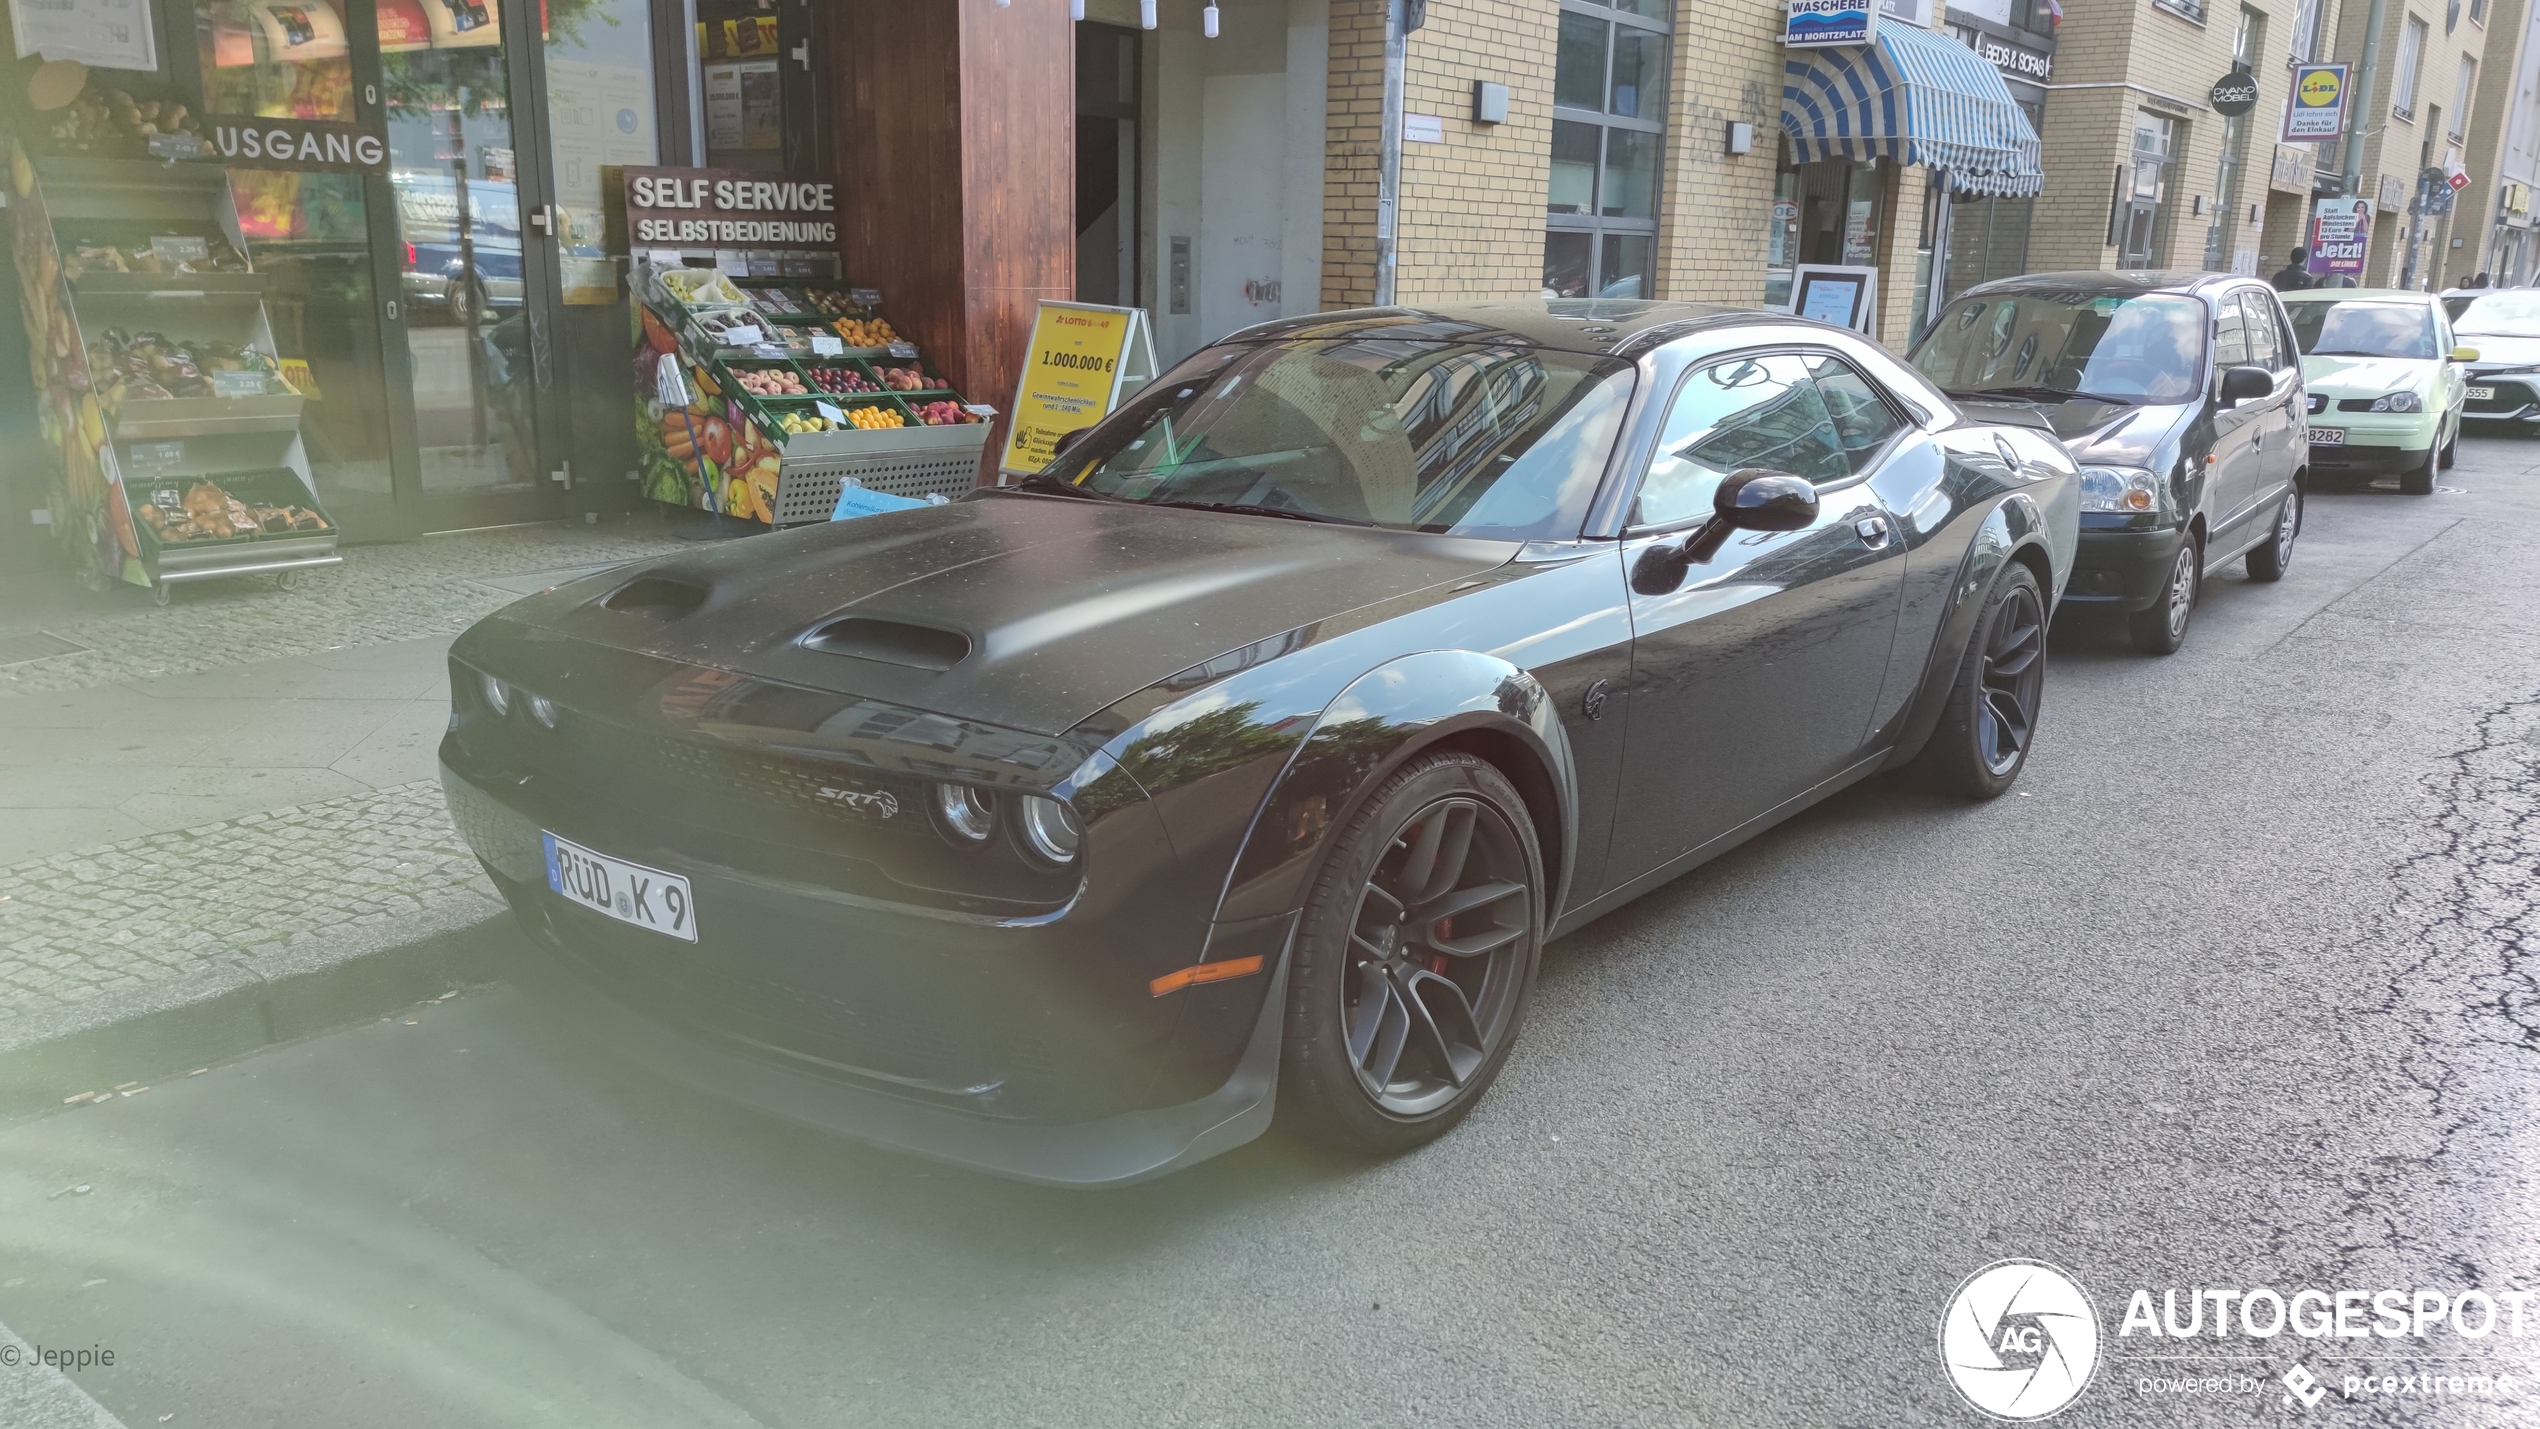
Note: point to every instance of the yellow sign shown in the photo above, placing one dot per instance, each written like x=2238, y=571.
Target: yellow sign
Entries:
x=295, y=371
x=1081, y=358
x=2319, y=88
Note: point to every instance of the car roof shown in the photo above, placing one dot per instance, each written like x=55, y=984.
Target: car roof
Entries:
x=2347, y=295
x=2097, y=280
x=1604, y=327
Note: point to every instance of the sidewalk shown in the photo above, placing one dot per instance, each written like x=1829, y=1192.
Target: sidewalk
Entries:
x=239, y=788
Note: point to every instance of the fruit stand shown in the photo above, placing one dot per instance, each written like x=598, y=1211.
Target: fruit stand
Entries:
x=176, y=429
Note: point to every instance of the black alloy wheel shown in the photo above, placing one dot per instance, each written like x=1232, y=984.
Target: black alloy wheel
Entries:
x=1986, y=728
x=2163, y=628
x=1415, y=959
x=2418, y=480
x=2271, y=558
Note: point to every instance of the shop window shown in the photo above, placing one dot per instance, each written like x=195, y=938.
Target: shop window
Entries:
x=1609, y=96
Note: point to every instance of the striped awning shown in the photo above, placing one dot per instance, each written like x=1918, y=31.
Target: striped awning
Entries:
x=1916, y=97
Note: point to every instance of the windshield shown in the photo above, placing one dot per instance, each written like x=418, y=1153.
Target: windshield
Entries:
x=2138, y=349
x=2362, y=327
x=2515, y=314
x=1498, y=441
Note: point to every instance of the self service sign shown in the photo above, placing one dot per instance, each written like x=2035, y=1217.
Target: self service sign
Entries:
x=729, y=208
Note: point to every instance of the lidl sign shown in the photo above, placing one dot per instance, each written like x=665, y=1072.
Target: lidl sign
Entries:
x=2316, y=112
x=1815, y=24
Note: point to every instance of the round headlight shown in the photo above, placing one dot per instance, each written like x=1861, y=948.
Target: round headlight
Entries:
x=2399, y=402
x=498, y=696
x=966, y=815
x=542, y=710
x=1049, y=829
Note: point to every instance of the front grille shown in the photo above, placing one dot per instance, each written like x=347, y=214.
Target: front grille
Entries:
x=2509, y=395
x=2356, y=404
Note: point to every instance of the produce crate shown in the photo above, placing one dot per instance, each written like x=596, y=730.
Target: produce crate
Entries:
x=935, y=386
x=912, y=461
x=170, y=562
x=728, y=370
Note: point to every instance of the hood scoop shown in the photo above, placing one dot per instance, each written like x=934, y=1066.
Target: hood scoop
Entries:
x=657, y=598
x=891, y=642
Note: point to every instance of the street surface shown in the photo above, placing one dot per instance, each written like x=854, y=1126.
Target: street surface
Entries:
x=2236, y=990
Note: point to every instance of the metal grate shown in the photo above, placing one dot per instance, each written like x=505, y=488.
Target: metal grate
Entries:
x=810, y=493
x=22, y=649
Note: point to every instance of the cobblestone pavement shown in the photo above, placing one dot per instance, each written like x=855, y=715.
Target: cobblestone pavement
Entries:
x=100, y=931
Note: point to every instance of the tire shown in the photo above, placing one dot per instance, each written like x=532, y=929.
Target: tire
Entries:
x=1373, y=1063
x=2163, y=628
x=2452, y=448
x=1985, y=730
x=2271, y=558
x=2419, y=479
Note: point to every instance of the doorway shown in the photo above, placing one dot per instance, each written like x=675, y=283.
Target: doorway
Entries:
x=1106, y=165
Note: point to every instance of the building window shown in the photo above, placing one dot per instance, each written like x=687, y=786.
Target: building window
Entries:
x=2478, y=12
x=2306, y=30
x=1609, y=116
x=2403, y=80
x=2191, y=9
x=2463, y=90
x=2143, y=219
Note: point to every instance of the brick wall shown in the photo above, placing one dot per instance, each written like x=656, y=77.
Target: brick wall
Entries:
x=1471, y=223
x=1353, y=126
x=1728, y=67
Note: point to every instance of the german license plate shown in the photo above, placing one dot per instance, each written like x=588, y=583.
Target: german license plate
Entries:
x=2482, y=394
x=2328, y=436
x=629, y=892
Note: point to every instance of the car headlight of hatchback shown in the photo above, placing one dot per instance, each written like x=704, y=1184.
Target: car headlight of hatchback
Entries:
x=2399, y=402
x=2129, y=489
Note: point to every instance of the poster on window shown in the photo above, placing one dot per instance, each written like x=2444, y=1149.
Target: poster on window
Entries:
x=106, y=34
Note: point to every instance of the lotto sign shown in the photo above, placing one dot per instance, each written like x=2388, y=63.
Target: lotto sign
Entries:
x=2316, y=112
x=2341, y=233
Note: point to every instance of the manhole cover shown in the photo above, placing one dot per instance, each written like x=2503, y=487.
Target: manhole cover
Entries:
x=19, y=649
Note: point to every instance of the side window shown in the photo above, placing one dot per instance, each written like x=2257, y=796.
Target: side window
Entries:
x=1862, y=419
x=2262, y=334
x=1746, y=411
x=2231, y=337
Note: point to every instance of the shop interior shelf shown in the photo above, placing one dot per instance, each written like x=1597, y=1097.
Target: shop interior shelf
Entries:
x=172, y=287
x=203, y=558
x=206, y=416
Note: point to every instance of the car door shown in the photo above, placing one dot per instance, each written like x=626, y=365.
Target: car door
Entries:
x=1756, y=669
x=2238, y=453
x=2282, y=423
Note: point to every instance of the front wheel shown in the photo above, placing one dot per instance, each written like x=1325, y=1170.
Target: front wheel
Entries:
x=2163, y=628
x=1414, y=959
x=2418, y=480
x=2452, y=448
x=1984, y=733
x=2269, y=560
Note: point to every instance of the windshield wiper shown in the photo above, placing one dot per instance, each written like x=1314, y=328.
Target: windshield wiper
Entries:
x=1249, y=509
x=1044, y=482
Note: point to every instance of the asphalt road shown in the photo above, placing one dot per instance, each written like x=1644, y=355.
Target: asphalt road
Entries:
x=2236, y=991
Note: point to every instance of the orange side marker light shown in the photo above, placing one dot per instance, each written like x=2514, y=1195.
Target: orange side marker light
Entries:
x=1181, y=978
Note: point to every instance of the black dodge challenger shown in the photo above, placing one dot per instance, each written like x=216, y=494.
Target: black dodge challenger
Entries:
x=1249, y=754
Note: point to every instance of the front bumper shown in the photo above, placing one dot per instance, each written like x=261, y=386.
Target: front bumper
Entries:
x=2122, y=570
x=2356, y=459
x=960, y=1040
x=2516, y=401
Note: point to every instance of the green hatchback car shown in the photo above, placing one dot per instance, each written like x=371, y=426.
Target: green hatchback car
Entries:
x=2384, y=377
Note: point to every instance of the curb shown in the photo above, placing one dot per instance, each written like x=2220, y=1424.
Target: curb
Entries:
x=325, y=990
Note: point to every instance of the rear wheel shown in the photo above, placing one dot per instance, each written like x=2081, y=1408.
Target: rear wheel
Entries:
x=1984, y=733
x=2163, y=628
x=2269, y=559
x=1415, y=958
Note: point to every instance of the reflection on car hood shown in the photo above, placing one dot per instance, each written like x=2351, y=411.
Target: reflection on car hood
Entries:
x=2497, y=352
x=2112, y=433
x=1068, y=605
x=2366, y=376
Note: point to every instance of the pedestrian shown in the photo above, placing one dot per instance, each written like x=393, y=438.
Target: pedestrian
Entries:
x=2296, y=275
x=2480, y=281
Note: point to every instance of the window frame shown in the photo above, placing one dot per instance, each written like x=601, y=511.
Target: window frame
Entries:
x=1594, y=223
x=2464, y=94
x=1907, y=425
x=2413, y=34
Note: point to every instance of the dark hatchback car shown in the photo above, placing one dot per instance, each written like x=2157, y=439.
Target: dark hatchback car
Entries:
x=1249, y=754
x=2180, y=394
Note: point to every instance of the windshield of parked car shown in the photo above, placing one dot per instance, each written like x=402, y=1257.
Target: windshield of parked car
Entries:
x=2514, y=314
x=2146, y=348
x=1503, y=441
x=2362, y=327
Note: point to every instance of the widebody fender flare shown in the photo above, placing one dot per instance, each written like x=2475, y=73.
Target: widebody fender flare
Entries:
x=2015, y=529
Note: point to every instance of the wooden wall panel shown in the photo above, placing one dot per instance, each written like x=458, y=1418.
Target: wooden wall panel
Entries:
x=1019, y=161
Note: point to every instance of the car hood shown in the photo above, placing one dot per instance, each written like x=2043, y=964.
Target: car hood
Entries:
x=2498, y=352
x=2366, y=376
x=2112, y=433
x=1030, y=612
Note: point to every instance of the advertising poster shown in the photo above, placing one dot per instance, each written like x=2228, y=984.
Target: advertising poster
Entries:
x=1072, y=376
x=2341, y=234
x=2316, y=112
x=108, y=34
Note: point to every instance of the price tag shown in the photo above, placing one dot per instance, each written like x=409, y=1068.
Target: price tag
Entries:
x=762, y=265
x=832, y=413
x=732, y=262
x=172, y=248
x=906, y=351
x=824, y=345
x=741, y=335
x=976, y=410
x=146, y=454
x=665, y=257
x=238, y=384
x=173, y=147
x=865, y=297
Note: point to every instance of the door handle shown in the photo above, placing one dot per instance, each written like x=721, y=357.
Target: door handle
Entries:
x=1873, y=532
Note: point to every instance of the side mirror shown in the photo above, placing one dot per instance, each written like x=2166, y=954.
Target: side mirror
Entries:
x=2464, y=354
x=2246, y=384
x=1755, y=499
x=1066, y=440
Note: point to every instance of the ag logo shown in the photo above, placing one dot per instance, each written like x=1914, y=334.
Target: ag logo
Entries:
x=2020, y=1340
